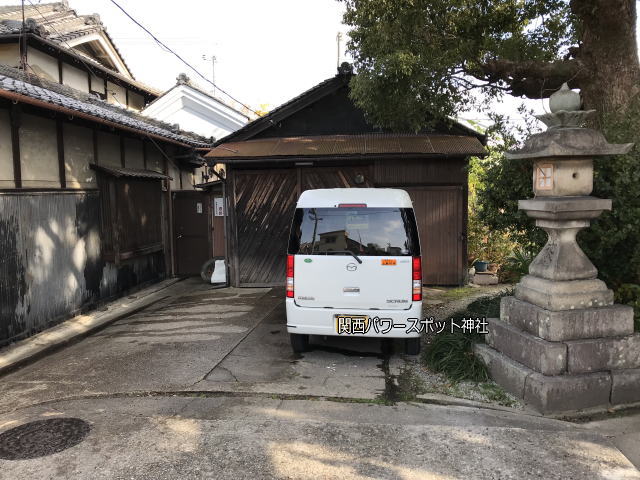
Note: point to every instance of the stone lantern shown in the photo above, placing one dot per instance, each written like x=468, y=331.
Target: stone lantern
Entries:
x=561, y=344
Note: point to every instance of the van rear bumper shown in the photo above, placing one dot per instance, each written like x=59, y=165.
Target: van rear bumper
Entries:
x=321, y=321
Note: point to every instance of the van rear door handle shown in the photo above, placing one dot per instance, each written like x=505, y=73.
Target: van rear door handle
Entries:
x=351, y=289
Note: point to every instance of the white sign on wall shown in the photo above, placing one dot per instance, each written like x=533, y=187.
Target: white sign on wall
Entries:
x=218, y=206
x=199, y=207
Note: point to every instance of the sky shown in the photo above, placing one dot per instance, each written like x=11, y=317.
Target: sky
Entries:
x=266, y=51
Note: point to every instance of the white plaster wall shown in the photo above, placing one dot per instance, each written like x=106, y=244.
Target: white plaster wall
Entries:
x=97, y=84
x=78, y=155
x=10, y=54
x=196, y=112
x=75, y=78
x=43, y=65
x=187, y=180
x=6, y=151
x=109, y=150
x=133, y=153
x=136, y=101
x=39, y=153
x=116, y=95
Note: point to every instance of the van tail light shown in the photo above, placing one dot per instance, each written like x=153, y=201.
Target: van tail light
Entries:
x=417, y=279
x=290, y=261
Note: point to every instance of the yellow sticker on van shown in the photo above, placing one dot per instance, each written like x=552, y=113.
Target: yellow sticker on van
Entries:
x=388, y=261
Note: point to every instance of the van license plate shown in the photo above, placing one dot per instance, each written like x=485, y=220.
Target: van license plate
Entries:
x=352, y=324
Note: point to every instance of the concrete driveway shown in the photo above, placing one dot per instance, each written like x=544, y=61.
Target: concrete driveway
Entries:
x=203, y=384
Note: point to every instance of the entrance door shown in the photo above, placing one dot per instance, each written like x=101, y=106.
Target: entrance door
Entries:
x=440, y=216
x=191, y=231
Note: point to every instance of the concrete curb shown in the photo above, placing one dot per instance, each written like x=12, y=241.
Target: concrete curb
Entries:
x=447, y=400
x=36, y=346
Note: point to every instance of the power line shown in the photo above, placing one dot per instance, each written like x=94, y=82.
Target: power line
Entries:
x=168, y=49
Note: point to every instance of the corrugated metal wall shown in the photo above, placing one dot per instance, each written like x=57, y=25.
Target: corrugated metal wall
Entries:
x=51, y=264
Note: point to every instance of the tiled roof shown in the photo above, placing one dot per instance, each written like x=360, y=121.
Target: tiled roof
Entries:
x=56, y=22
x=349, y=146
x=130, y=172
x=16, y=81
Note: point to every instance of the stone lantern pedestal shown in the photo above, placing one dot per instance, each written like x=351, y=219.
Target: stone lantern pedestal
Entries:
x=561, y=344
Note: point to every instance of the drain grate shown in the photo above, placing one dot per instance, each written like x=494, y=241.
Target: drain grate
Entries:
x=42, y=437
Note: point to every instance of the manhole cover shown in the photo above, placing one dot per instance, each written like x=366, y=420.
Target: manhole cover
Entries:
x=42, y=437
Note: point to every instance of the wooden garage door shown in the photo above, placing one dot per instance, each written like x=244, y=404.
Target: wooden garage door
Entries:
x=265, y=201
x=440, y=216
x=264, y=205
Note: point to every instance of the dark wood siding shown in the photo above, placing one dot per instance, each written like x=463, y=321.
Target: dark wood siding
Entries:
x=439, y=211
x=264, y=204
x=265, y=200
x=438, y=171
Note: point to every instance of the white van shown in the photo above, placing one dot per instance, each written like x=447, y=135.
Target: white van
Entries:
x=354, y=266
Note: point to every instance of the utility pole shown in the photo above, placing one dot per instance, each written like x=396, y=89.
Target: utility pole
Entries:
x=338, y=40
x=23, y=42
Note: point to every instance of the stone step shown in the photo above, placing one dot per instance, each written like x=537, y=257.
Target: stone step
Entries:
x=560, y=394
x=548, y=358
x=599, y=354
x=556, y=326
x=485, y=278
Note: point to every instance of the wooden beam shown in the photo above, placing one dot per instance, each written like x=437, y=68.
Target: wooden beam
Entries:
x=15, y=114
x=95, y=146
x=144, y=153
x=122, y=159
x=60, y=78
x=61, y=165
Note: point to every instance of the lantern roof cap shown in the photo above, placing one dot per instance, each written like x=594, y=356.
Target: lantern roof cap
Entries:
x=566, y=135
x=568, y=142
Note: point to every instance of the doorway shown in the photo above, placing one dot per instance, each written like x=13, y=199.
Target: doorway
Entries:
x=192, y=227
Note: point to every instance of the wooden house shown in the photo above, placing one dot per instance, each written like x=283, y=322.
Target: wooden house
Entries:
x=320, y=139
x=90, y=190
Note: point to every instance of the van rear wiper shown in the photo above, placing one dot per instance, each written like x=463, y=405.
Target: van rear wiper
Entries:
x=345, y=251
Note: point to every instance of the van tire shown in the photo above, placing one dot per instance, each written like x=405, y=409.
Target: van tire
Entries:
x=412, y=346
x=299, y=342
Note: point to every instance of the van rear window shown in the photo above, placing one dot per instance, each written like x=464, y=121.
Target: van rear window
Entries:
x=363, y=231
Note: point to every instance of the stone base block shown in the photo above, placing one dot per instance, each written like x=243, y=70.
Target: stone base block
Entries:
x=564, y=295
x=484, y=279
x=567, y=393
x=603, y=354
x=549, y=358
x=554, y=394
x=504, y=371
x=625, y=386
x=608, y=321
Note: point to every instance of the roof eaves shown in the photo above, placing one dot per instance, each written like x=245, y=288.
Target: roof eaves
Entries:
x=17, y=83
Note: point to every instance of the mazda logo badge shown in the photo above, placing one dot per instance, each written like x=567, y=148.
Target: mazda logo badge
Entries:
x=352, y=267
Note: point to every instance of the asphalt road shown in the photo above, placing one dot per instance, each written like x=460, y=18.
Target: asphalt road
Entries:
x=204, y=385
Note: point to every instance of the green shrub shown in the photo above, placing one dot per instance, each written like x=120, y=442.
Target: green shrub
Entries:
x=452, y=353
x=517, y=264
x=629, y=294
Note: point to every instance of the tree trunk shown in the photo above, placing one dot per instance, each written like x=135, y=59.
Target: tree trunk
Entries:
x=608, y=53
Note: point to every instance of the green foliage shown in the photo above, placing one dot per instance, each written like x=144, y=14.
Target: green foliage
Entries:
x=483, y=243
x=517, y=264
x=418, y=59
x=629, y=294
x=452, y=353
